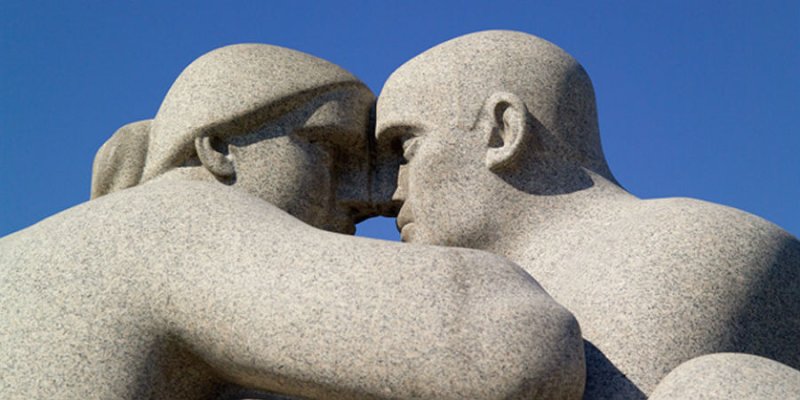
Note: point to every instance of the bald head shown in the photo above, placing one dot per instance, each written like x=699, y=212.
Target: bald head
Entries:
x=449, y=85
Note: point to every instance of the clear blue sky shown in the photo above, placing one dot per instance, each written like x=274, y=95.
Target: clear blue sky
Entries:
x=699, y=99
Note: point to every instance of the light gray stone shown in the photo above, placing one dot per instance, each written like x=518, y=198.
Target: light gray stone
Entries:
x=120, y=161
x=313, y=146
x=500, y=133
x=726, y=376
x=205, y=278
x=119, y=299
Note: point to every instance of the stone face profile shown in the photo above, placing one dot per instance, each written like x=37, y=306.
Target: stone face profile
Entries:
x=500, y=136
x=199, y=270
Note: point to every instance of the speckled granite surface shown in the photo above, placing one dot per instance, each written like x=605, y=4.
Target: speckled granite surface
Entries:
x=212, y=264
x=726, y=376
x=200, y=271
x=500, y=134
x=119, y=299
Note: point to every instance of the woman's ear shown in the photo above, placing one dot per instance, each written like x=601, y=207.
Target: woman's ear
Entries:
x=213, y=153
x=505, y=118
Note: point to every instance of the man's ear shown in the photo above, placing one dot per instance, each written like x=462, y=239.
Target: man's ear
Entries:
x=213, y=153
x=505, y=118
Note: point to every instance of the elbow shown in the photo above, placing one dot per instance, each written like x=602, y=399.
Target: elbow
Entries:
x=520, y=344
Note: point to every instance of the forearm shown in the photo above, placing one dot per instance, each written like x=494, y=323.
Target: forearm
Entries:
x=432, y=323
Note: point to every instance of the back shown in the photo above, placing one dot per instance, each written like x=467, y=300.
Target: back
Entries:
x=77, y=305
x=654, y=283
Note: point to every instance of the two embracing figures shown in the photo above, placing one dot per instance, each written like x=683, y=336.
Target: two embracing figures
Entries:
x=214, y=260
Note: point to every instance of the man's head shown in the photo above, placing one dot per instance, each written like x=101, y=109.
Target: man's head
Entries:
x=282, y=125
x=486, y=110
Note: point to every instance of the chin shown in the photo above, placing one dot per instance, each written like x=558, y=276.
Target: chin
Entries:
x=412, y=233
x=408, y=233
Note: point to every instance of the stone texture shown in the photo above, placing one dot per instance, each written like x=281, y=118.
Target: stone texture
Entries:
x=500, y=133
x=233, y=90
x=729, y=376
x=206, y=280
x=297, y=121
x=118, y=299
x=120, y=161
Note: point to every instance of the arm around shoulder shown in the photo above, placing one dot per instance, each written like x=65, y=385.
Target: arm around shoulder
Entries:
x=331, y=316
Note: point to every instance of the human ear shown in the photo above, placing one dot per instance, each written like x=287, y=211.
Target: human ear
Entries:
x=505, y=118
x=213, y=153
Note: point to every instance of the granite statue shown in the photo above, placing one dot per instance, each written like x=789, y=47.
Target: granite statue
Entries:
x=500, y=140
x=724, y=376
x=213, y=260
x=212, y=256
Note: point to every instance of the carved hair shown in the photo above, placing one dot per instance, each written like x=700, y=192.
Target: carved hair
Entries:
x=232, y=90
x=227, y=92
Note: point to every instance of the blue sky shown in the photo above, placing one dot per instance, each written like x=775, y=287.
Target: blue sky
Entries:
x=696, y=99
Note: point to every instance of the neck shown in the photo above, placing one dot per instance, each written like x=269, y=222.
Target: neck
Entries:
x=523, y=218
x=188, y=173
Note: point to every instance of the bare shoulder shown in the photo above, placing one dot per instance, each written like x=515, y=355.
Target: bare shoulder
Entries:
x=713, y=230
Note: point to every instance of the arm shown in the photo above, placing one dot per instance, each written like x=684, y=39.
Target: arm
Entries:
x=300, y=311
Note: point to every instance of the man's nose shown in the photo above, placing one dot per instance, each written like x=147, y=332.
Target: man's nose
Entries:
x=402, y=183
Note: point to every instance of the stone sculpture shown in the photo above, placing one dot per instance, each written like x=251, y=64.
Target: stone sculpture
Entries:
x=199, y=265
x=726, y=376
x=500, y=133
x=119, y=163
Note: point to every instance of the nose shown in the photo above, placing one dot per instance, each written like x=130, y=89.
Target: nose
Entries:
x=402, y=183
x=385, y=182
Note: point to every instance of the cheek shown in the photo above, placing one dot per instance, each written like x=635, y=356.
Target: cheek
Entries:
x=441, y=171
x=312, y=171
x=284, y=173
x=443, y=185
x=433, y=189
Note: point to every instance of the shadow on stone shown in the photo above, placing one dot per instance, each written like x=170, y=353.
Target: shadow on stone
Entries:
x=604, y=380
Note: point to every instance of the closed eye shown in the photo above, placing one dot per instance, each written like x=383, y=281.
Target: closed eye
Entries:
x=401, y=139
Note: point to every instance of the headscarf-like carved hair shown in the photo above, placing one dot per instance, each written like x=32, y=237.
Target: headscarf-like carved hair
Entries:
x=229, y=91
x=234, y=90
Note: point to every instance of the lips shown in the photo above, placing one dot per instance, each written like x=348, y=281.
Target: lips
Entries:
x=405, y=221
x=404, y=217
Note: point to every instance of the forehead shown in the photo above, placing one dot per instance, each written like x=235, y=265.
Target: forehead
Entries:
x=340, y=116
x=345, y=107
x=420, y=98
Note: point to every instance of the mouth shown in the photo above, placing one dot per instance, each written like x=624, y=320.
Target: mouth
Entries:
x=407, y=233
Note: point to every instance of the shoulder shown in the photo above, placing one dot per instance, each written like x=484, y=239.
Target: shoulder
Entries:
x=692, y=240
x=718, y=230
x=729, y=375
x=148, y=219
